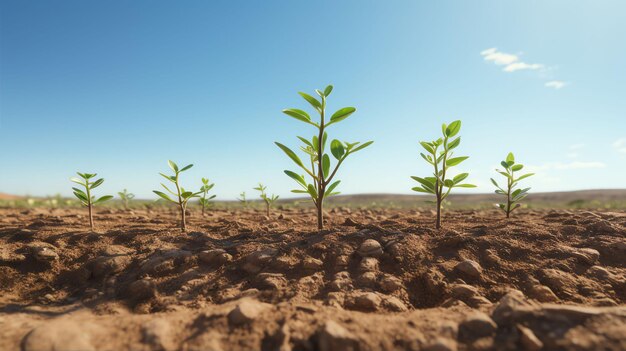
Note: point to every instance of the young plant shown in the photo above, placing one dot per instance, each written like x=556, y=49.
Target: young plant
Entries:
x=319, y=169
x=269, y=200
x=513, y=196
x=242, y=199
x=125, y=196
x=439, y=155
x=182, y=196
x=85, y=197
x=204, y=201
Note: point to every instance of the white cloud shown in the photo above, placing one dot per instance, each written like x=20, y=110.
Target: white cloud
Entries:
x=499, y=58
x=518, y=66
x=556, y=84
x=620, y=145
x=569, y=166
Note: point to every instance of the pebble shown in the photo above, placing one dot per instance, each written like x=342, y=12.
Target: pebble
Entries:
x=246, y=311
x=469, y=268
x=312, y=264
x=215, y=256
x=367, y=279
x=529, y=340
x=542, y=293
x=370, y=248
x=368, y=264
x=477, y=325
x=367, y=301
x=333, y=337
x=390, y=284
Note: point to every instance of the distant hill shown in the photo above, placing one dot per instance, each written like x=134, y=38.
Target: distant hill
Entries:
x=4, y=196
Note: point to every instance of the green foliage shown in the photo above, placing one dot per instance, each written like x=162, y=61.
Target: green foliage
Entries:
x=318, y=165
x=85, y=197
x=439, y=154
x=513, y=194
x=242, y=199
x=205, y=201
x=126, y=197
x=269, y=200
x=181, y=196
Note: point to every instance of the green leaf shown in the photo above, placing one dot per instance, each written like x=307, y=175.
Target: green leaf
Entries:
x=298, y=114
x=362, y=146
x=96, y=183
x=81, y=196
x=77, y=181
x=448, y=183
x=298, y=178
x=186, y=168
x=341, y=114
x=517, y=168
x=337, y=149
x=421, y=190
x=427, y=146
x=454, y=143
x=459, y=178
x=168, y=190
x=510, y=158
x=453, y=129
x=290, y=153
x=427, y=158
x=312, y=191
x=504, y=174
x=332, y=186
x=298, y=191
x=313, y=101
x=103, y=199
x=82, y=175
x=186, y=194
x=328, y=90
x=173, y=166
x=456, y=160
x=325, y=165
x=495, y=183
x=465, y=186
x=163, y=195
x=525, y=176
x=170, y=178
x=308, y=143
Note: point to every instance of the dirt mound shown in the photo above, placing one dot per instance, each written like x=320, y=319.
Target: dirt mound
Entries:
x=377, y=279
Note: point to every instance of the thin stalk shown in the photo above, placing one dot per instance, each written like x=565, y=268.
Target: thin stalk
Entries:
x=320, y=172
x=183, y=225
x=89, y=205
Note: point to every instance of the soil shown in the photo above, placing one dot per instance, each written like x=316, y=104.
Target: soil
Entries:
x=374, y=280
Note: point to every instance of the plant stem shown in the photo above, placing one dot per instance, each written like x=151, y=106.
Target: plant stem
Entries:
x=89, y=205
x=320, y=171
x=183, y=225
x=267, y=208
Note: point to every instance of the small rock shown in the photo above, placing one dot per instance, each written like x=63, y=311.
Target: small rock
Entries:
x=215, y=256
x=368, y=264
x=587, y=255
x=528, y=339
x=367, y=301
x=246, y=311
x=108, y=265
x=158, y=334
x=599, y=272
x=142, y=289
x=507, y=306
x=542, y=293
x=476, y=326
x=394, y=304
x=341, y=281
x=349, y=222
x=469, y=268
x=342, y=262
x=370, y=248
x=463, y=291
x=390, y=284
x=58, y=335
x=258, y=259
x=333, y=337
x=441, y=344
x=312, y=264
x=367, y=279
x=45, y=254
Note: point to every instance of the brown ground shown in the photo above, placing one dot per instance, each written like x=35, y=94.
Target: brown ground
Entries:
x=376, y=279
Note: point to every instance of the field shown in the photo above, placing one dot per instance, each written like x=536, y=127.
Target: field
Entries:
x=380, y=277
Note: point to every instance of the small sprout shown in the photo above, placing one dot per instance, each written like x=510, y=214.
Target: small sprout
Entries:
x=513, y=196
x=319, y=168
x=85, y=197
x=242, y=199
x=269, y=200
x=439, y=155
x=204, y=201
x=182, y=196
x=125, y=196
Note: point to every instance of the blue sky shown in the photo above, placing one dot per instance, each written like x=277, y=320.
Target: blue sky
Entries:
x=120, y=87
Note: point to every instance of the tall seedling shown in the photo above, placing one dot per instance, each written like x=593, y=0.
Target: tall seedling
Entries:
x=269, y=200
x=85, y=197
x=319, y=168
x=125, y=196
x=439, y=155
x=205, y=201
x=182, y=196
x=513, y=196
x=242, y=199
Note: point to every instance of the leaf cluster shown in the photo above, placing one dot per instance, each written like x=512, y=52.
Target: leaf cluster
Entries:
x=85, y=196
x=269, y=200
x=440, y=155
x=183, y=196
x=316, y=149
x=204, y=189
x=514, y=195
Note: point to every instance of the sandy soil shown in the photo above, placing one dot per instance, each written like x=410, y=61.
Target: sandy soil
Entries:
x=382, y=279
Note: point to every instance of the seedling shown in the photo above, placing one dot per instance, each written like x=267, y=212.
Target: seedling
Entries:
x=85, y=197
x=513, y=196
x=125, y=196
x=182, y=196
x=439, y=155
x=242, y=199
x=269, y=200
x=204, y=201
x=322, y=184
